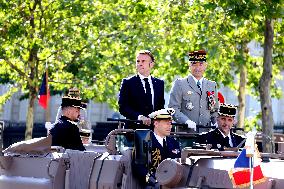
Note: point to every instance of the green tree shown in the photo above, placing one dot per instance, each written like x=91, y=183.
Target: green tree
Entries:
x=224, y=29
x=37, y=32
x=87, y=44
x=262, y=14
x=92, y=44
x=203, y=24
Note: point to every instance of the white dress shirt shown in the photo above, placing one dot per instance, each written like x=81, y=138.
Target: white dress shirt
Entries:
x=159, y=139
x=151, y=85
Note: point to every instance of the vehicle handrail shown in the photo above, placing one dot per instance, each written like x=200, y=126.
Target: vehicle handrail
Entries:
x=110, y=143
x=174, y=124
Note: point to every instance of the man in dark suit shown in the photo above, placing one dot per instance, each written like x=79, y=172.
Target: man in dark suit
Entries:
x=141, y=94
x=222, y=137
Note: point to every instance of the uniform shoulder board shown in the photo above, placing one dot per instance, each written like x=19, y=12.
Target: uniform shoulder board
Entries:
x=239, y=135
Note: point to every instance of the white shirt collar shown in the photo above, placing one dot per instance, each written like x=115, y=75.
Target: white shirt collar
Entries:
x=200, y=80
x=142, y=76
x=159, y=139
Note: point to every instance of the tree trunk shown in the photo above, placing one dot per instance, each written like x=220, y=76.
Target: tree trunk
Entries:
x=264, y=89
x=30, y=117
x=242, y=96
x=33, y=64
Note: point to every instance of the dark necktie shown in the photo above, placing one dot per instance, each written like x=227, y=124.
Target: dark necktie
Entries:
x=227, y=143
x=164, y=144
x=199, y=85
x=148, y=94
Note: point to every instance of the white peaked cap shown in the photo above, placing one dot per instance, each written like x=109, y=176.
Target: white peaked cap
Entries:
x=162, y=114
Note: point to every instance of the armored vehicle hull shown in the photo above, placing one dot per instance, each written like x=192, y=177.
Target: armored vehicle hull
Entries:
x=110, y=166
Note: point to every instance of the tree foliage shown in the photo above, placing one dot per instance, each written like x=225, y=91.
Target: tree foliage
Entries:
x=92, y=44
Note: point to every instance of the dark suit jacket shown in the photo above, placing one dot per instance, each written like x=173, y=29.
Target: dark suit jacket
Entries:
x=217, y=140
x=132, y=97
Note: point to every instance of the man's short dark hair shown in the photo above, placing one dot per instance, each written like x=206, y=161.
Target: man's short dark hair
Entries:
x=148, y=53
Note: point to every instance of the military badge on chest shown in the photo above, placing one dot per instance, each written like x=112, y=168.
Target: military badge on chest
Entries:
x=189, y=104
x=189, y=92
x=211, y=100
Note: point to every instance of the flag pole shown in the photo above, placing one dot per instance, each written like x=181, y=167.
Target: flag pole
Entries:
x=251, y=172
x=251, y=152
x=47, y=111
x=252, y=157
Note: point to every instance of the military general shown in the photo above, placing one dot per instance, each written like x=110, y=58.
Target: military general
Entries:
x=194, y=98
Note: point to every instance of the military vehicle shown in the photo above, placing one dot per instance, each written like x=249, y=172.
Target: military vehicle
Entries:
x=109, y=166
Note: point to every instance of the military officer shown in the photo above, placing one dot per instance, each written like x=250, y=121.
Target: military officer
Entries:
x=65, y=132
x=194, y=98
x=222, y=137
x=162, y=146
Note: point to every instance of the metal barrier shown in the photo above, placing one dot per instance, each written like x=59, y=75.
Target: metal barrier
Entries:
x=15, y=132
x=121, y=121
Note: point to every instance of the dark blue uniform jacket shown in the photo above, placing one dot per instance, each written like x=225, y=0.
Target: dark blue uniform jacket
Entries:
x=158, y=154
x=217, y=140
x=66, y=134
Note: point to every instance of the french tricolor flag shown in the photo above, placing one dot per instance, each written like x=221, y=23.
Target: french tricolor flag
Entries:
x=247, y=168
x=240, y=174
x=44, y=91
